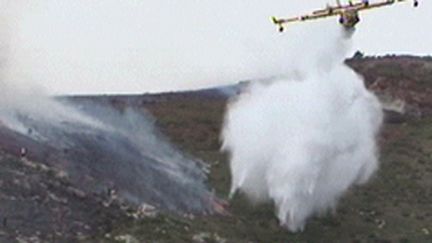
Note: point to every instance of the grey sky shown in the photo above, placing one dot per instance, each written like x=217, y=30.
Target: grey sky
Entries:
x=136, y=46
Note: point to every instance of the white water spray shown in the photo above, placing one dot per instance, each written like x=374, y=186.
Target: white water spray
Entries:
x=303, y=142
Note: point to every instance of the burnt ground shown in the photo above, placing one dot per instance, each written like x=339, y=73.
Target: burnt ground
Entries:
x=396, y=206
x=38, y=203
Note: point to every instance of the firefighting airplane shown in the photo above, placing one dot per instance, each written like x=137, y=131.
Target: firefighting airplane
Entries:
x=348, y=14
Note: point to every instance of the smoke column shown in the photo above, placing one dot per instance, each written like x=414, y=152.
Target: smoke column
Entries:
x=131, y=46
x=98, y=146
x=303, y=141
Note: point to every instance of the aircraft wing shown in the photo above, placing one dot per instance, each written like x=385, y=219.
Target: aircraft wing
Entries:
x=325, y=13
x=339, y=9
x=362, y=6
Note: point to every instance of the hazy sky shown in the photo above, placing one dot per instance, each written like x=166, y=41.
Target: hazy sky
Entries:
x=136, y=46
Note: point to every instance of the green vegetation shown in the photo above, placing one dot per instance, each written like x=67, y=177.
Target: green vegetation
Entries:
x=394, y=207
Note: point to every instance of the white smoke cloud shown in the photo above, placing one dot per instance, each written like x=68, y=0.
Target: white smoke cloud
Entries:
x=134, y=46
x=23, y=96
x=131, y=46
x=303, y=141
x=101, y=144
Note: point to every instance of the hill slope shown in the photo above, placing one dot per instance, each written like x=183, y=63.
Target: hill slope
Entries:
x=394, y=207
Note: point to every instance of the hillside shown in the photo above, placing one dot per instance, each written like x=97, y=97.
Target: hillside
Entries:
x=39, y=203
x=404, y=78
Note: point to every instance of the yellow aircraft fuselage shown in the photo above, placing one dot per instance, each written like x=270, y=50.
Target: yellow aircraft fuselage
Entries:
x=349, y=19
